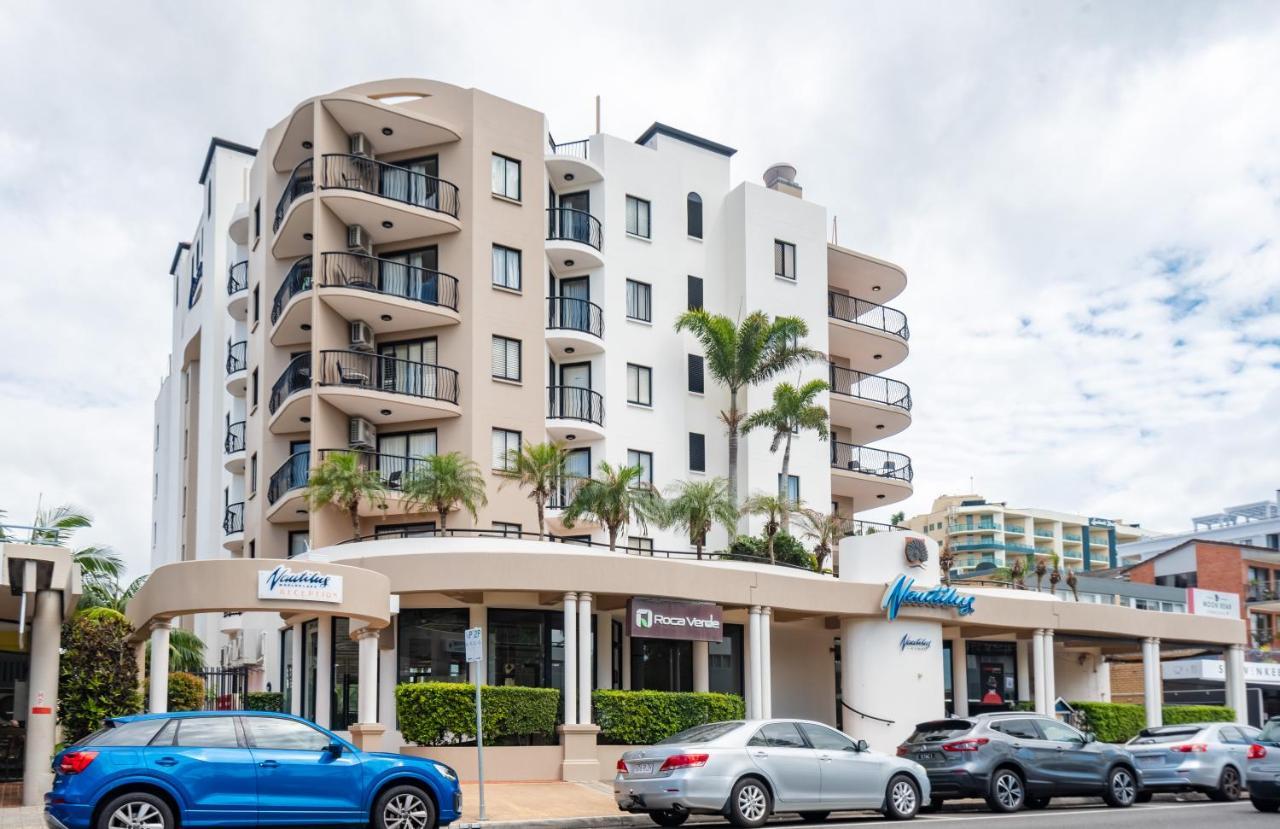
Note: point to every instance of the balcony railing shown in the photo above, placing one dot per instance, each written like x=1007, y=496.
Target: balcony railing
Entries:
x=1044, y=533
x=389, y=277
x=301, y=182
x=574, y=226
x=1261, y=593
x=400, y=184
x=292, y=474
x=851, y=383
x=197, y=279
x=237, y=356
x=868, y=461
x=573, y=403
x=296, y=376
x=235, y=438
x=571, y=149
x=362, y=370
x=233, y=518
x=238, y=278
x=862, y=312
x=563, y=490
x=569, y=314
x=395, y=470
x=297, y=280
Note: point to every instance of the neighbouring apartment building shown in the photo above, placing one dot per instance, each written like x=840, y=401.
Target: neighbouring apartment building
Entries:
x=1252, y=525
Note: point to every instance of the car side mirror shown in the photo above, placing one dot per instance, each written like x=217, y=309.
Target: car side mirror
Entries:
x=1090, y=737
x=862, y=746
x=334, y=749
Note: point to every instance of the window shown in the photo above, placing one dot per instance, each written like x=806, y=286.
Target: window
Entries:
x=504, y=361
x=526, y=648
x=695, y=293
x=257, y=311
x=1023, y=729
x=793, y=487
x=725, y=661
x=299, y=542
x=253, y=392
x=640, y=544
x=639, y=301
x=639, y=385
x=693, y=209
x=778, y=735
x=826, y=739
x=784, y=259
x=430, y=646
x=505, y=441
x=284, y=735
x=257, y=219
x=1059, y=733
x=157, y=436
x=253, y=474
x=207, y=732
x=506, y=267
x=507, y=529
x=644, y=460
x=697, y=452
x=637, y=217
x=253, y=548
x=695, y=374
x=126, y=734
x=506, y=176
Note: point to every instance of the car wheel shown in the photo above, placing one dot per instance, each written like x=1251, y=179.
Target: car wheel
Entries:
x=1122, y=789
x=1143, y=797
x=749, y=803
x=902, y=798
x=404, y=807
x=668, y=817
x=814, y=817
x=134, y=810
x=1265, y=805
x=1228, y=786
x=1007, y=791
x=1040, y=802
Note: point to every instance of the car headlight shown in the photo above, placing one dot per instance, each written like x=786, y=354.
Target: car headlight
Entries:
x=446, y=771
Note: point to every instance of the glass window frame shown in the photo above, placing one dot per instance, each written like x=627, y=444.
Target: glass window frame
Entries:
x=507, y=253
x=505, y=162
x=636, y=290
x=643, y=386
x=643, y=216
x=506, y=344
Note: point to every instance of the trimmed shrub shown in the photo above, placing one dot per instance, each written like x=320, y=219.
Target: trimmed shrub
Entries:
x=1179, y=714
x=786, y=550
x=645, y=717
x=1112, y=722
x=444, y=713
x=186, y=692
x=98, y=674
x=263, y=701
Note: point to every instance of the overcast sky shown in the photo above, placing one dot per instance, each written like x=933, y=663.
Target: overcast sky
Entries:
x=1085, y=196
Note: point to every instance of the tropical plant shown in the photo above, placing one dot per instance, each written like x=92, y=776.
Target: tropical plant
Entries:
x=615, y=498
x=1018, y=571
x=696, y=506
x=793, y=411
x=897, y=518
x=57, y=525
x=1041, y=569
x=946, y=560
x=98, y=673
x=539, y=467
x=824, y=529
x=1074, y=584
x=109, y=593
x=775, y=509
x=446, y=483
x=741, y=355
x=1055, y=575
x=341, y=479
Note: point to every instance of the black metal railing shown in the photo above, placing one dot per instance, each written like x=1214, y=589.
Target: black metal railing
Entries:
x=851, y=383
x=574, y=226
x=360, y=369
x=295, y=377
x=238, y=278
x=292, y=474
x=197, y=278
x=225, y=689
x=395, y=470
x=861, y=527
x=1261, y=593
x=573, y=403
x=862, y=312
x=868, y=461
x=387, y=276
x=233, y=518
x=301, y=182
x=569, y=314
x=235, y=438
x=297, y=280
x=571, y=149
x=237, y=356
x=357, y=172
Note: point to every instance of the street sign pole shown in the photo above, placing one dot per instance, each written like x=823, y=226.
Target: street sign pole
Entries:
x=475, y=654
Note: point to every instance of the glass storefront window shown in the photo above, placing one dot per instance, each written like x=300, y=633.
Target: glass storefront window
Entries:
x=992, y=669
x=310, y=650
x=727, y=662
x=346, y=676
x=526, y=648
x=661, y=665
x=431, y=647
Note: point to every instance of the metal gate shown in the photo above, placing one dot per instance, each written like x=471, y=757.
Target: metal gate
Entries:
x=224, y=688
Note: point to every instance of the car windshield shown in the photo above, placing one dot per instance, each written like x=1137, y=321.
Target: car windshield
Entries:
x=701, y=733
x=1271, y=733
x=927, y=732
x=1167, y=734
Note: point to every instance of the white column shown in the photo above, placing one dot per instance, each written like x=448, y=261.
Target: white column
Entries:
x=159, y=667
x=478, y=672
x=1237, y=690
x=1024, y=671
x=604, y=650
x=295, y=659
x=42, y=694
x=766, y=662
x=755, y=686
x=570, y=658
x=1151, y=682
x=959, y=678
x=1050, y=680
x=626, y=659
x=701, y=666
x=1037, y=668
x=367, y=692
x=324, y=671
x=586, y=665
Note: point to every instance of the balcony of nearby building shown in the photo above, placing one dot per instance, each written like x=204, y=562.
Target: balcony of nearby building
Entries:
x=574, y=414
x=857, y=274
x=871, y=337
x=238, y=228
x=574, y=240
x=233, y=448
x=233, y=527
x=388, y=294
x=575, y=327
x=286, y=491
x=394, y=471
x=570, y=165
x=385, y=389
x=392, y=203
x=289, y=406
x=291, y=307
x=870, y=406
x=295, y=212
x=238, y=290
x=871, y=477
x=237, y=367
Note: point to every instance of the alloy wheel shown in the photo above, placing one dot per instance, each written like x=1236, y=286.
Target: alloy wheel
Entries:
x=903, y=795
x=1231, y=784
x=1009, y=790
x=1122, y=786
x=752, y=802
x=136, y=815
x=405, y=811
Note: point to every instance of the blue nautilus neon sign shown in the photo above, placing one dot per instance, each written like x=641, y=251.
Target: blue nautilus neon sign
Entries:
x=902, y=592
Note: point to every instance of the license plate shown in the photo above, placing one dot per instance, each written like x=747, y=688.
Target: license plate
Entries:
x=1150, y=760
x=928, y=756
x=641, y=768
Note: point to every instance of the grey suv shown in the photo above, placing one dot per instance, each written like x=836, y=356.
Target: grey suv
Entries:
x=1015, y=759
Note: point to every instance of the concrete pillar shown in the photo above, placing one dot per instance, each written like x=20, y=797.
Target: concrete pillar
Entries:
x=586, y=665
x=1237, y=693
x=388, y=675
x=159, y=702
x=478, y=672
x=367, y=692
x=42, y=711
x=570, y=658
x=1037, y=668
x=604, y=650
x=1151, y=682
x=1024, y=671
x=766, y=662
x=626, y=659
x=324, y=671
x=295, y=659
x=1050, y=681
x=959, y=678
x=701, y=667
x=755, y=687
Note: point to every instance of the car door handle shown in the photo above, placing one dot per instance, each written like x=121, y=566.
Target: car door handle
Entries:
x=167, y=761
x=826, y=758
x=1061, y=748
x=269, y=764
x=760, y=754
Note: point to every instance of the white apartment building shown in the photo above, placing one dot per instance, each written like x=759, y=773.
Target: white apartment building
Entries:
x=1256, y=524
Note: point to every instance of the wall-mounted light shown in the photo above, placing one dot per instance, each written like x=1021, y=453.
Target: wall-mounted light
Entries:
x=306, y=326
x=307, y=236
x=387, y=130
x=388, y=225
x=306, y=145
x=386, y=318
x=570, y=437
x=385, y=413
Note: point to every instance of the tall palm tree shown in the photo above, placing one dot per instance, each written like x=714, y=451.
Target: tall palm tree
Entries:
x=741, y=355
x=540, y=468
x=57, y=525
x=792, y=412
x=824, y=529
x=697, y=506
x=615, y=497
x=775, y=509
x=446, y=483
x=342, y=480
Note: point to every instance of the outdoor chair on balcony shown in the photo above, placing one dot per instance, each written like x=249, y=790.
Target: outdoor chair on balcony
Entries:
x=890, y=467
x=394, y=480
x=854, y=466
x=352, y=377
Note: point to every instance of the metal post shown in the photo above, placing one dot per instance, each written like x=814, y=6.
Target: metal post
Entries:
x=480, y=750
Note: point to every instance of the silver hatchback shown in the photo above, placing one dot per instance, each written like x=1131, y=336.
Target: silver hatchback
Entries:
x=1204, y=757
x=750, y=769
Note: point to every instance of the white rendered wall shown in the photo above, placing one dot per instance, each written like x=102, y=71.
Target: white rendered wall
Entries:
x=804, y=684
x=1081, y=676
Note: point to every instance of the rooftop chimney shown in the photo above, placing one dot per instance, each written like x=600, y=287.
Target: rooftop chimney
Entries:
x=782, y=177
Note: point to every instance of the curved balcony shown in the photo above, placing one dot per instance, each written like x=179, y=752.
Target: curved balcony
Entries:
x=237, y=367
x=574, y=413
x=394, y=470
x=294, y=213
x=574, y=238
x=233, y=527
x=391, y=296
x=574, y=327
x=391, y=203
x=871, y=477
x=233, y=448
x=238, y=228
x=570, y=164
x=238, y=290
x=870, y=406
x=860, y=275
x=387, y=389
x=871, y=337
x=288, y=406
x=286, y=489
x=291, y=308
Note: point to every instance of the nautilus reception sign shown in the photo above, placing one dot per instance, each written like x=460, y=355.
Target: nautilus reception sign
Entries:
x=299, y=585
x=904, y=593
x=666, y=619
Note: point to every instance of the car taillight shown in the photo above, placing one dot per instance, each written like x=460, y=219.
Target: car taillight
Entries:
x=74, y=762
x=966, y=745
x=683, y=761
x=622, y=766
x=1189, y=748
x=903, y=751
x=1256, y=752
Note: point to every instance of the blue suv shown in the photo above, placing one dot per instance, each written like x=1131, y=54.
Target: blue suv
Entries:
x=240, y=768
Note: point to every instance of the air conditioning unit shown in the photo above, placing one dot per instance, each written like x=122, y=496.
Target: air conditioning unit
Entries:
x=362, y=434
x=361, y=336
x=360, y=145
x=358, y=239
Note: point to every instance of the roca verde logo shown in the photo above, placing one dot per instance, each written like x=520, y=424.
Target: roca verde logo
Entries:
x=644, y=618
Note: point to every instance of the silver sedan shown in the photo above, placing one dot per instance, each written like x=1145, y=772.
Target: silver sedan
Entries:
x=1203, y=757
x=748, y=770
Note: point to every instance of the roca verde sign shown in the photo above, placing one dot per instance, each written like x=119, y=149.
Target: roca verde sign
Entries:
x=667, y=619
x=903, y=593
x=284, y=583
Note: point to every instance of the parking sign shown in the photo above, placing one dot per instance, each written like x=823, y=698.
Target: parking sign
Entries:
x=475, y=645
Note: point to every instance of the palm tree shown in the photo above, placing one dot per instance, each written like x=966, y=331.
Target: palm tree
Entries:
x=1074, y=584
x=946, y=559
x=57, y=525
x=897, y=518
x=1040, y=571
x=824, y=529
x=342, y=480
x=697, y=506
x=775, y=509
x=792, y=412
x=1018, y=571
x=540, y=467
x=615, y=498
x=741, y=355
x=446, y=483
x=186, y=650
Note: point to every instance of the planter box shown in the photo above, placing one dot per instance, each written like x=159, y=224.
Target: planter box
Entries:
x=501, y=763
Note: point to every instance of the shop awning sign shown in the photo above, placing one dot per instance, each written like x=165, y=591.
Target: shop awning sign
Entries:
x=903, y=592
x=668, y=619
x=1213, y=603
x=286, y=584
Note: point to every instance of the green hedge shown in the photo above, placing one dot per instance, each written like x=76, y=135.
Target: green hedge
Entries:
x=263, y=701
x=444, y=713
x=1118, y=722
x=1178, y=714
x=645, y=717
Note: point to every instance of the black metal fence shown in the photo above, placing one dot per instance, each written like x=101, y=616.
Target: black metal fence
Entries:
x=235, y=438
x=238, y=278
x=301, y=182
x=855, y=458
x=574, y=226
x=296, y=376
x=233, y=518
x=872, y=387
x=237, y=359
x=225, y=688
x=357, y=172
x=570, y=314
x=293, y=473
x=363, y=370
x=387, y=276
